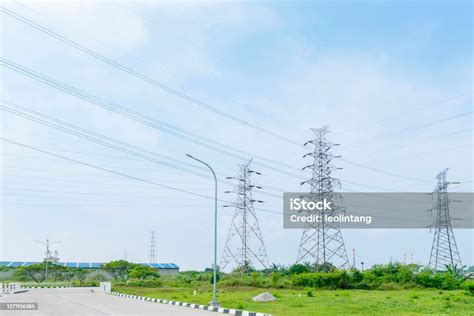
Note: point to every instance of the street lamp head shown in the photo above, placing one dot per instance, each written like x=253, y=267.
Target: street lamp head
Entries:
x=190, y=156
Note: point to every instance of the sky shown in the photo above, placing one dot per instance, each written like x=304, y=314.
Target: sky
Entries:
x=393, y=80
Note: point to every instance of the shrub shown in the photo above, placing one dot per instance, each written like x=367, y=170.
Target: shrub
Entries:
x=146, y=283
x=449, y=281
x=143, y=272
x=369, y=281
x=98, y=278
x=357, y=276
x=444, y=281
x=232, y=280
x=299, y=268
x=468, y=285
x=426, y=279
x=332, y=280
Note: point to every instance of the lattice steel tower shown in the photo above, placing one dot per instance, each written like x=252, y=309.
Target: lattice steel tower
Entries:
x=322, y=242
x=244, y=244
x=444, y=250
x=152, y=247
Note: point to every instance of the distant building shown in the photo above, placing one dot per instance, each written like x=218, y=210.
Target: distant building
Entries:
x=163, y=268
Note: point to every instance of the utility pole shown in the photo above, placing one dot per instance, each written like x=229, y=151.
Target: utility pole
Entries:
x=152, y=256
x=48, y=254
x=444, y=250
x=322, y=242
x=244, y=244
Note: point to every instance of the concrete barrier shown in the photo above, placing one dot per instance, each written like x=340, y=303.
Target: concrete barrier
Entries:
x=106, y=287
x=12, y=288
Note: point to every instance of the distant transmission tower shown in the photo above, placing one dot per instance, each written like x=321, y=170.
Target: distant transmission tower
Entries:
x=152, y=247
x=322, y=242
x=444, y=250
x=244, y=244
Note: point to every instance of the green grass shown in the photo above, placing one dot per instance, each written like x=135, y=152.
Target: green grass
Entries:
x=324, y=302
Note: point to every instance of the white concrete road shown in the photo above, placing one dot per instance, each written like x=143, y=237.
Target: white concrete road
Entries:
x=89, y=301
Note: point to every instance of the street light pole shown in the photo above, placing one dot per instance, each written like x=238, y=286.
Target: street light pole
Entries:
x=214, y=302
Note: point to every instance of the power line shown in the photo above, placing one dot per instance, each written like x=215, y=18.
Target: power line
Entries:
x=406, y=112
x=89, y=193
x=117, y=173
x=59, y=125
x=98, y=138
x=98, y=205
x=88, y=174
x=140, y=75
x=145, y=78
x=104, y=169
x=424, y=141
x=385, y=172
x=116, y=167
x=80, y=199
x=141, y=118
x=146, y=120
x=405, y=129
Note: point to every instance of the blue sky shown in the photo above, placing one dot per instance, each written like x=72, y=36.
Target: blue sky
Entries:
x=383, y=75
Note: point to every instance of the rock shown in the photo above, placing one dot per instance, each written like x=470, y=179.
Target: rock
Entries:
x=264, y=297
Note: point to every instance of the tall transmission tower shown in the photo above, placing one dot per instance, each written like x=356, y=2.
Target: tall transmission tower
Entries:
x=322, y=242
x=49, y=256
x=444, y=250
x=153, y=247
x=244, y=244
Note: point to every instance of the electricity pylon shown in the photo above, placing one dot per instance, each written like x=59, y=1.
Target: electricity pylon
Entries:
x=322, y=242
x=152, y=247
x=444, y=250
x=244, y=245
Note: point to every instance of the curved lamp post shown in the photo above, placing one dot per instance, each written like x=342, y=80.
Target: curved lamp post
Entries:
x=214, y=302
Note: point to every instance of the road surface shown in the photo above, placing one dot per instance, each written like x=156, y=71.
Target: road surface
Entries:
x=90, y=301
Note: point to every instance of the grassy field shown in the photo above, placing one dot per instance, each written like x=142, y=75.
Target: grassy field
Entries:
x=325, y=302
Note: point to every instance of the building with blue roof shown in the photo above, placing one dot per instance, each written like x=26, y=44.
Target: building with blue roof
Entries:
x=163, y=268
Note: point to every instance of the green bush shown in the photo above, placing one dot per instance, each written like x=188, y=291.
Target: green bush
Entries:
x=232, y=280
x=332, y=280
x=369, y=281
x=98, y=278
x=357, y=276
x=468, y=285
x=449, y=281
x=146, y=283
x=440, y=280
x=299, y=268
x=384, y=277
